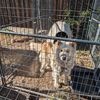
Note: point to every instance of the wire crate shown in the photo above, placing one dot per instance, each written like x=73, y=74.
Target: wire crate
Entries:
x=30, y=21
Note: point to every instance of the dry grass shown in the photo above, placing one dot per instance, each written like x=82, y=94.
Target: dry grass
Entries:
x=84, y=59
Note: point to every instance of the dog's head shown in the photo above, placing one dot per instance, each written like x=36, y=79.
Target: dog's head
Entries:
x=65, y=50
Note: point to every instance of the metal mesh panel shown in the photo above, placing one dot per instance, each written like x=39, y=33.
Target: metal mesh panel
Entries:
x=24, y=28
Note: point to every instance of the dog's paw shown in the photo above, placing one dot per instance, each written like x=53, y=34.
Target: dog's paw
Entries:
x=48, y=67
x=56, y=86
x=41, y=75
x=69, y=78
x=69, y=89
x=42, y=72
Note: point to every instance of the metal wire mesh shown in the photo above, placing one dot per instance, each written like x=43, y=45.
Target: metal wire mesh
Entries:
x=24, y=22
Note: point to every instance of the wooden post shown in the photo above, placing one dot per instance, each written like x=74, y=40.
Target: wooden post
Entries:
x=2, y=74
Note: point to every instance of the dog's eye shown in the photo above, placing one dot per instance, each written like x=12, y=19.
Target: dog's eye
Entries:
x=61, y=50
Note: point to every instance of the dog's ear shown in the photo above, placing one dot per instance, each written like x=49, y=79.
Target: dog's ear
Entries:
x=73, y=44
x=58, y=43
x=46, y=47
x=50, y=44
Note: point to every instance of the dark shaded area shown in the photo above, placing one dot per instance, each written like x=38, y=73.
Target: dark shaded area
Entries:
x=86, y=81
x=83, y=46
x=34, y=97
x=10, y=93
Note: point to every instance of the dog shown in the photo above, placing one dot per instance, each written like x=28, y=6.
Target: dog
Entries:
x=58, y=55
x=58, y=29
x=60, y=58
x=63, y=61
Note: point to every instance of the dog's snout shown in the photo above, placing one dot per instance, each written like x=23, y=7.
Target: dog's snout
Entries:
x=63, y=58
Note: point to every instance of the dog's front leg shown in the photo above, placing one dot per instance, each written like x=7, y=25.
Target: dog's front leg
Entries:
x=55, y=71
x=68, y=81
x=67, y=77
x=42, y=69
x=56, y=75
x=43, y=64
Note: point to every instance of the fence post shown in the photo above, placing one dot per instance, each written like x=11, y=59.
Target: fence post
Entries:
x=2, y=74
x=34, y=15
x=96, y=38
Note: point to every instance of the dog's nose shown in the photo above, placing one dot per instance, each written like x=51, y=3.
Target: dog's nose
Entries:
x=63, y=58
